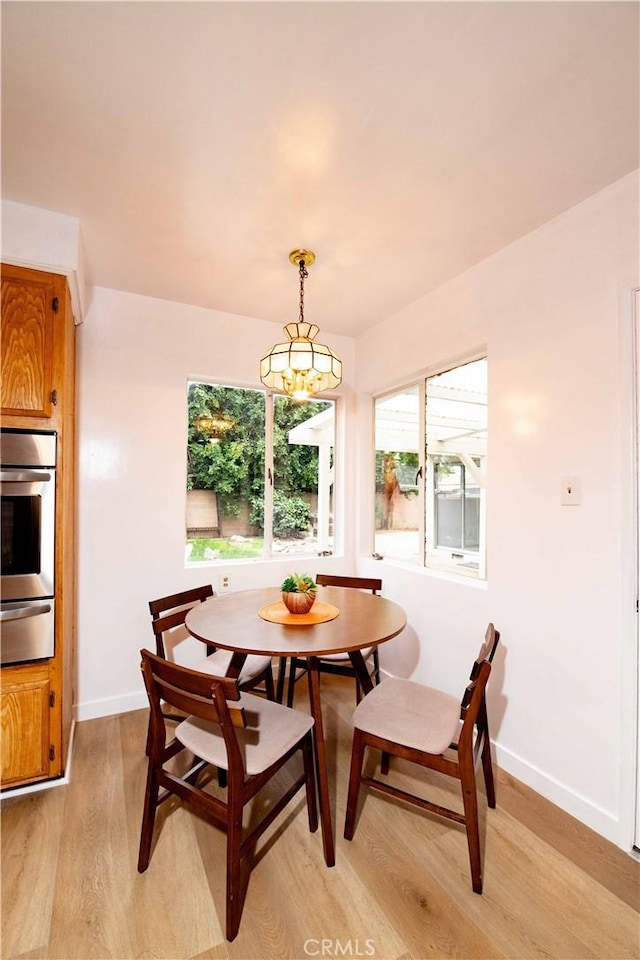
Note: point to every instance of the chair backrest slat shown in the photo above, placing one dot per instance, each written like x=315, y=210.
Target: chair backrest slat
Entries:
x=190, y=691
x=196, y=595
x=170, y=622
x=487, y=650
x=178, y=605
x=374, y=584
x=473, y=698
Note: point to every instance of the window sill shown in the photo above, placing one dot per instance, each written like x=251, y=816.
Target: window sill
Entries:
x=430, y=572
x=289, y=558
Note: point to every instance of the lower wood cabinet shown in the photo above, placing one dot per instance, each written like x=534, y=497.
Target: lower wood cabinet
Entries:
x=30, y=725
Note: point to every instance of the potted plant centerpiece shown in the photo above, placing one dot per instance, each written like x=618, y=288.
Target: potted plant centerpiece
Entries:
x=299, y=593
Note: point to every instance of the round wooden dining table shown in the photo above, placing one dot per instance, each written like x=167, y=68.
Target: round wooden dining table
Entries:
x=233, y=622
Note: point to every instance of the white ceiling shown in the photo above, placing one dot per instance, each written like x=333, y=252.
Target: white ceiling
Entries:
x=198, y=143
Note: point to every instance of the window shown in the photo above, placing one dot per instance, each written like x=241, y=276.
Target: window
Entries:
x=259, y=474
x=431, y=454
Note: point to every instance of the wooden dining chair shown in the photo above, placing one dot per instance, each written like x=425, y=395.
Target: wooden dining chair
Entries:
x=168, y=616
x=431, y=728
x=337, y=663
x=170, y=630
x=249, y=737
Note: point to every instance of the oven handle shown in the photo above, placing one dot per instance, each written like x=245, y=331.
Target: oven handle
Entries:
x=21, y=613
x=23, y=476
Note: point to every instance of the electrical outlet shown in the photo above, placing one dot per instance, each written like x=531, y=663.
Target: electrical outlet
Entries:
x=224, y=583
x=571, y=495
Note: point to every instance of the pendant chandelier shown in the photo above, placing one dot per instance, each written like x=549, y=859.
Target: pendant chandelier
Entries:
x=212, y=426
x=300, y=367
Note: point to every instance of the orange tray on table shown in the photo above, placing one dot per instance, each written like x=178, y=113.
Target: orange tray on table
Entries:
x=278, y=613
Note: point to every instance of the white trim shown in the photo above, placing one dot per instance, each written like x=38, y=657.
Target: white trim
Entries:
x=598, y=819
x=9, y=793
x=94, y=709
x=459, y=578
x=602, y=821
x=630, y=700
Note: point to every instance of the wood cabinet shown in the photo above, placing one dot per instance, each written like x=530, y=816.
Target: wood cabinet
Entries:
x=27, y=703
x=37, y=336
x=38, y=392
x=28, y=305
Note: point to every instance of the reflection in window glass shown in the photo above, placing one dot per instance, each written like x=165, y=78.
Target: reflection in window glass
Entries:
x=430, y=471
x=457, y=519
x=397, y=497
x=456, y=429
x=303, y=452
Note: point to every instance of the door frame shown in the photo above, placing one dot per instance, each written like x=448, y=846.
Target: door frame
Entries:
x=635, y=672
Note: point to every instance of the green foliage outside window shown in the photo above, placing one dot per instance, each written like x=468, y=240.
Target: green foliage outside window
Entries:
x=291, y=515
x=233, y=466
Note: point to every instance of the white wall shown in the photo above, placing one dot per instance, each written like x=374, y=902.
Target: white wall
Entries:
x=554, y=314
x=135, y=355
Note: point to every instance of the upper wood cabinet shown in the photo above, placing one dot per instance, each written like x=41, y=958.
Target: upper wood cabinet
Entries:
x=32, y=302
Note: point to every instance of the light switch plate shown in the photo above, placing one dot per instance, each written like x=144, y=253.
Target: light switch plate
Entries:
x=571, y=494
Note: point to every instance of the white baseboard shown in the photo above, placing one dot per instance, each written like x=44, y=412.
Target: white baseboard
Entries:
x=94, y=709
x=582, y=809
x=598, y=819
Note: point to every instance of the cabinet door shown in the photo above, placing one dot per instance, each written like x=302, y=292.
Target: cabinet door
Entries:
x=25, y=708
x=27, y=342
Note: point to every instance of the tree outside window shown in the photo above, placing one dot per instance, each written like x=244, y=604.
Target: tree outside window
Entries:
x=253, y=473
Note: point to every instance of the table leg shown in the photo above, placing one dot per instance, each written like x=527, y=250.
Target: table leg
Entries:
x=236, y=664
x=282, y=670
x=360, y=667
x=321, y=762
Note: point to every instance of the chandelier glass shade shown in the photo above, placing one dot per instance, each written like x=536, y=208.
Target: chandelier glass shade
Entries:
x=300, y=367
x=212, y=426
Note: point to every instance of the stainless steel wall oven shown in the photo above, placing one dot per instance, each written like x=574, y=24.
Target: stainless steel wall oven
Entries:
x=28, y=512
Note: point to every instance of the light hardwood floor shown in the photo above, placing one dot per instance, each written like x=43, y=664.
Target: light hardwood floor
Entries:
x=399, y=891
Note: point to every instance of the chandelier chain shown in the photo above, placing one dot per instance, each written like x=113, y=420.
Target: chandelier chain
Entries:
x=304, y=273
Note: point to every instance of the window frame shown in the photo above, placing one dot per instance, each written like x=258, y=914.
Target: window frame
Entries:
x=270, y=396
x=427, y=504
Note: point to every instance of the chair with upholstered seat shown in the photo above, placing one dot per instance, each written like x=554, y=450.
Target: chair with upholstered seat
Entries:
x=337, y=663
x=436, y=730
x=169, y=629
x=247, y=736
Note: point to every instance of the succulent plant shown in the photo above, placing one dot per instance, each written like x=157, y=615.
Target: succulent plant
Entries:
x=299, y=584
